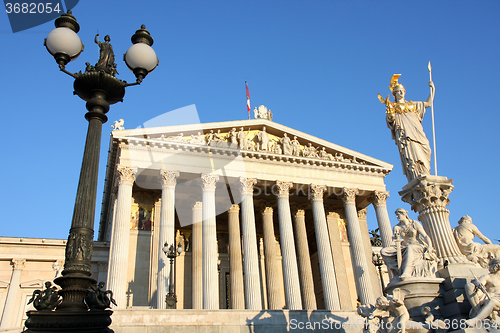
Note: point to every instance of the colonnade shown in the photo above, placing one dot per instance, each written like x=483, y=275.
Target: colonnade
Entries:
x=245, y=279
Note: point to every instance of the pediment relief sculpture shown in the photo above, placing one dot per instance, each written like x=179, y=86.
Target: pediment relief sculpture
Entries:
x=259, y=140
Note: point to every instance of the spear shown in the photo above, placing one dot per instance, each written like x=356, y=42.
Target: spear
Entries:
x=433, y=127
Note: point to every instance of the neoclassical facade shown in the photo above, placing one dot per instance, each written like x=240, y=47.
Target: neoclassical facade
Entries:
x=267, y=217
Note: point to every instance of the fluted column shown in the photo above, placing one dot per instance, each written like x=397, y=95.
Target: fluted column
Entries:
x=235, y=260
x=384, y=223
x=166, y=233
x=327, y=271
x=209, y=236
x=344, y=289
x=359, y=263
x=253, y=296
x=289, y=257
x=304, y=262
x=197, y=256
x=274, y=301
x=367, y=246
x=120, y=238
x=10, y=310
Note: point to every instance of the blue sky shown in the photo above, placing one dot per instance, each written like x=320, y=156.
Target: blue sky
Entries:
x=318, y=65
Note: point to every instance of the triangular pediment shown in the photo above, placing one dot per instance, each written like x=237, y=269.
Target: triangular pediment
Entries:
x=247, y=136
x=37, y=283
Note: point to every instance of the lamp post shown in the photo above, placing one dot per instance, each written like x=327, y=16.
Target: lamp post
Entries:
x=378, y=261
x=99, y=87
x=171, y=298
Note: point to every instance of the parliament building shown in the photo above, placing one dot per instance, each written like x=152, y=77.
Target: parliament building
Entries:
x=262, y=218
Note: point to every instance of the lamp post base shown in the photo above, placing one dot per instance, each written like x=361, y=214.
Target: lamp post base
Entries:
x=96, y=321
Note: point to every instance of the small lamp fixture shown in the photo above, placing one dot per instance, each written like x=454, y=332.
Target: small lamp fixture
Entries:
x=63, y=42
x=140, y=57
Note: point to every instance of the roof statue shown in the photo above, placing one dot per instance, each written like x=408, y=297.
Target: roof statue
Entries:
x=404, y=120
x=263, y=113
x=118, y=125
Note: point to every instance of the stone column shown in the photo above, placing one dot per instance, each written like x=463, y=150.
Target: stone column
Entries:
x=120, y=238
x=253, y=295
x=367, y=245
x=235, y=260
x=197, y=256
x=10, y=310
x=102, y=270
x=209, y=235
x=153, y=266
x=358, y=257
x=166, y=234
x=274, y=301
x=327, y=271
x=304, y=262
x=344, y=289
x=384, y=223
x=289, y=257
x=428, y=195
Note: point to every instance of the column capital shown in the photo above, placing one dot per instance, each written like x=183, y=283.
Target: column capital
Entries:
x=209, y=181
x=267, y=210
x=234, y=209
x=333, y=215
x=125, y=174
x=197, y=205
x=362, y=214
x=300, y=213
x=283, y=188
x=317, y=191
x=349, y=195
x=380, y=198
x=246, y=185
x=18, y=263
x=168, y=178
x=102, y=266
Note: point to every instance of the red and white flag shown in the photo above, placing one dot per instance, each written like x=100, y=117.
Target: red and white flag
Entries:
x=248, y=97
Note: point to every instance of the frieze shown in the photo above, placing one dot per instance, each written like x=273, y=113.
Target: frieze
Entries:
x=339, y=162
x=256, y=140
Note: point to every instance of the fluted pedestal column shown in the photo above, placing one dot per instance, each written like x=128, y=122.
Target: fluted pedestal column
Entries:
x=235, y=260
x=344, y=289
x=210, y=274
x=359, y=263
x=289, y=257
x=253, y=296
x=327, y=271
x=166, y=233
x=120, y=238
x=197, y=256
x=304, y=262
x=9, y=310
x=274, y=300
x=428, y=195
x=384, y=223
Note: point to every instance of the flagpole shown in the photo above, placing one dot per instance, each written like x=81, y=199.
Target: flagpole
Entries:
x=433, y=126
x=248, y=100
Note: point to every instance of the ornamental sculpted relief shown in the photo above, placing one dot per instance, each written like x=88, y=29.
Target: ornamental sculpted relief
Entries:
x=259, y=140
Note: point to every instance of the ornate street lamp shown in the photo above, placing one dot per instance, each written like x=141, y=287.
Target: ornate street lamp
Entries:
x=171, y=298
x=378, y=261
x=99, y=87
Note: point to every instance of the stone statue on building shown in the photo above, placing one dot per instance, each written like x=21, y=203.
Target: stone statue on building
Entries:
x=47, y=299
x=263, y=140
x=197, y=139
x=287, y=144
x=263, y=113
x=484, y=296
x=233, y=138
x=118, y=126
x=242, y=139
x=404, y=120
x=413, y=256
x=295, y=146
x=465, y=233
x=106, y=61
